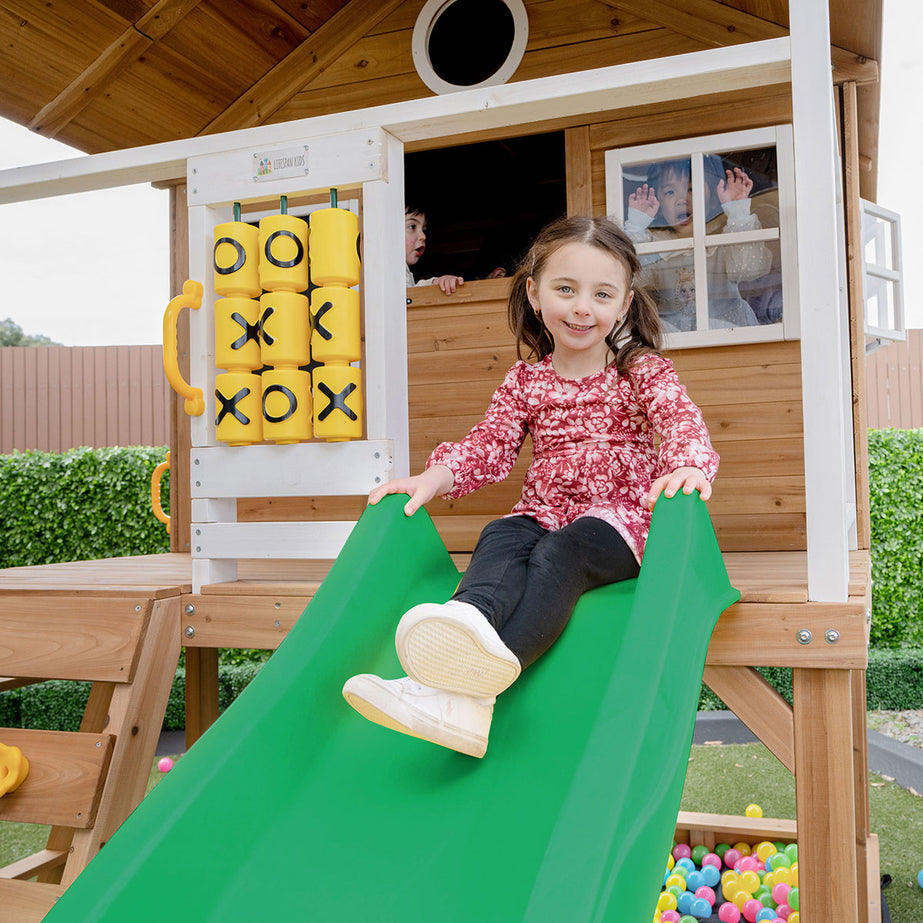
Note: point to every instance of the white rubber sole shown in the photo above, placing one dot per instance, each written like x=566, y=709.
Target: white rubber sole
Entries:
x=455, y=648
x=373, y=699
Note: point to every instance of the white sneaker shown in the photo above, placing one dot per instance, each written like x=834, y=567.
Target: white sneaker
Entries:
x=453, y=647
x=459, y=722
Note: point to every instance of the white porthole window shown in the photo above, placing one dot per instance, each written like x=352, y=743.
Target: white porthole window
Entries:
x=467, y=44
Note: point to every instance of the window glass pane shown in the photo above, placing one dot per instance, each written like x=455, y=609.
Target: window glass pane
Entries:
x=879, y=303
x=745, y=284
x=876, y=241
x=670, y=279
x=750, y=178
x=658, y=199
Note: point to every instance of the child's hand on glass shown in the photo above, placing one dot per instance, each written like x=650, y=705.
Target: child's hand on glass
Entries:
x=422, y=488
x=737, y=185
x=685, y=479
x=644, y=199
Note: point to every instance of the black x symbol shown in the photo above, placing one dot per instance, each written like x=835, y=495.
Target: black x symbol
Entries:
x=229, y=406
x=321, y=311
x=267, y=338
x=336, y=401
x=251, y=331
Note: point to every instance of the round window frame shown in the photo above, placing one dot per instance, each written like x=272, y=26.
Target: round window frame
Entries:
x=422, y=30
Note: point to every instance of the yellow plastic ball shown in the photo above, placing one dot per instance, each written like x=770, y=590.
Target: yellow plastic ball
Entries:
x=743, y=848
x=666, y=901
x=754, y=810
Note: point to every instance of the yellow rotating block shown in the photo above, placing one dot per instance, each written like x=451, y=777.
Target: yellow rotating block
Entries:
x=334, y=247
x=237, y=259
x=286, y=405
x=237, y=334
x=284, y=329
x=238, y=419
x=337, y=402
x=335, y=324
x=284, y=253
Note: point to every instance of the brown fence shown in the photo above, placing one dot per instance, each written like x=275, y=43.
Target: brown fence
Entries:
x=894, y=377
x=54, y=398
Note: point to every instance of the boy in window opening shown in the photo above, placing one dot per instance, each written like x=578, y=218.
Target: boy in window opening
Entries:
x=670, y=275
x=415, y=245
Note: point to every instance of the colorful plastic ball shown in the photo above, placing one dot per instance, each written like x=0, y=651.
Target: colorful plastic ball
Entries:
x=792, y=851
x=749, y=881
x=751, y=909
x=698, y=853
x=711, y=858
x=920, y=878
x=682, y=851
x=694, y=881
x=721, y=849
x=780, y=892
x=783, y=911
x=743, y=848
x=731, y=857
x=794, y=900
x=765, y=914
x=754, y=810
x=676, y=881
x=795, y=917
x=684, y=863
x=729, y=913
x=684, y=902
x=666, y=901
x=748, y=864
x=669, y=916
x=686, y=918
x=701, y=909
x=165, y=764
x=706, y=893
x=765, y=849
x=710, y=875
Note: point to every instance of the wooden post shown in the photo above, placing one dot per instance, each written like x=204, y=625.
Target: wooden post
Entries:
x=825, y=793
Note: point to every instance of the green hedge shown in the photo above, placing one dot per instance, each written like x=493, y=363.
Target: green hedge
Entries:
x=79, y=505
x=896, y=488
x=894, y=681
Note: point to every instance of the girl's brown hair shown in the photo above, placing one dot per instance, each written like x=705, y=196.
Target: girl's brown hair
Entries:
x=639, y=331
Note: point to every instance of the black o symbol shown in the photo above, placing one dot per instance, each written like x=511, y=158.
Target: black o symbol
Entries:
x=292, y=403
x=241, y=255
x=283, y=264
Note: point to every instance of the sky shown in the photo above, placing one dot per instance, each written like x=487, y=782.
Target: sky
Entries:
x=93, y=269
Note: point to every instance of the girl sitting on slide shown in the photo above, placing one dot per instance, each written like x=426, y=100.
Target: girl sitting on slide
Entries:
x=592, y=403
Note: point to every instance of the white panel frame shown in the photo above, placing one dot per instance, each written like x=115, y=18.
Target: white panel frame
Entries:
x=889, y=222
x=826, y=428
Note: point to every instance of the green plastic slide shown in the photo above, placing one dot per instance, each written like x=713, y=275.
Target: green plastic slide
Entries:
x=293, y=807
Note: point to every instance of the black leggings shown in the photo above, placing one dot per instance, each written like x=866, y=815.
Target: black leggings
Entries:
x=527, y=580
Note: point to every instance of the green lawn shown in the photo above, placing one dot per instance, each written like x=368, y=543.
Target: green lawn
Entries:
x=722, y=780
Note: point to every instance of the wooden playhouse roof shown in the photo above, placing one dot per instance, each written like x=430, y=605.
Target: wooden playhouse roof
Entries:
x=111, y=74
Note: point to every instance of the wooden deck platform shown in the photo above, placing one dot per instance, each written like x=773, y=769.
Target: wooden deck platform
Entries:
x=821, y=737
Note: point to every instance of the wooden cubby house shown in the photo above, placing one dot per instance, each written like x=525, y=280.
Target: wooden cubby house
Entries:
x=557, y=115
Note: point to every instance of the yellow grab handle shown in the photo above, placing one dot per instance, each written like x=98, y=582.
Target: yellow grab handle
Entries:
x=156, y=475
x=191, y=298
x=14, y=768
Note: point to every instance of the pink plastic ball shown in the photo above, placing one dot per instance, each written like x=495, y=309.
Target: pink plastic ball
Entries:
x=669, y=916
x=165, y=764
x=705, y=892
x=711, y=859
x=729, y=913
x=748, y=864
x=682, y=851
x=780, y=892
x=750, y=909
x=732, y=857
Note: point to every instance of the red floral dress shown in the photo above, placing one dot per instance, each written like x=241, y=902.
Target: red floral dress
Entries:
x=593, y=451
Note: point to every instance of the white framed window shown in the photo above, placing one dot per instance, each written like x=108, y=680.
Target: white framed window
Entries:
x=882, y=273
x=713, y=220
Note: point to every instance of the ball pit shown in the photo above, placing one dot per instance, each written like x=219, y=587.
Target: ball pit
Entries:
x=743, y=883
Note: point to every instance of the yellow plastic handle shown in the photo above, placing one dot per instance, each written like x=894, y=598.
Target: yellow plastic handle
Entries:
x=14, y=768
x=156, y=475
x=191, y=298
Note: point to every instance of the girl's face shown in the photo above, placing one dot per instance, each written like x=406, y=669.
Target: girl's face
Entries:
x=414, y=237
x=675, y=197
x=581, y=295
